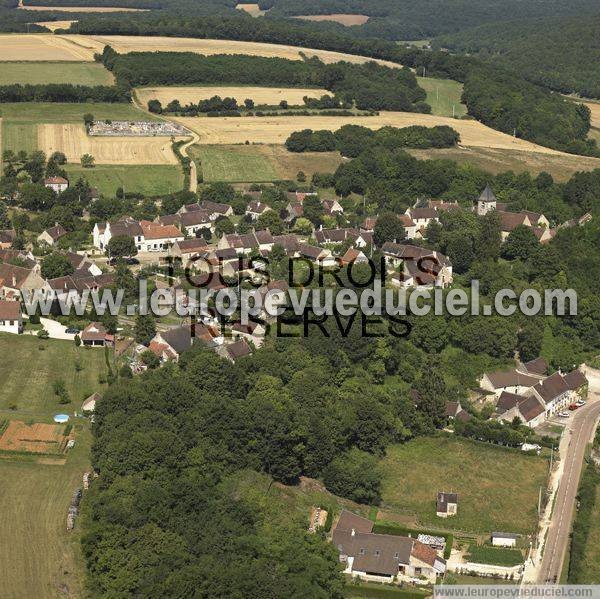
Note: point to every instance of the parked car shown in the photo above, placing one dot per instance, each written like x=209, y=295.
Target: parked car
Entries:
x=580, y=403
x=574, y=406
x=72, y=331
x=563, y=414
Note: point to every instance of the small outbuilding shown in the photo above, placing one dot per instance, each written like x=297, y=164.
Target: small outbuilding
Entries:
x=447, y=504
x=504, y=539
x=89, y=405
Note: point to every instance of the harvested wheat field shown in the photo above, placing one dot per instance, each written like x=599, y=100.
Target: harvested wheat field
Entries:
x=54, y=25
x=252, y=9
x=45, y=46
x=595, y=109
x=260, y=95
x=80, y=8
x=132, y=43
x=346, y=20
x=73, y=140
x=275, y=130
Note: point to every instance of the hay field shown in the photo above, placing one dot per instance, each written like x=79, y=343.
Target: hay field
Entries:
x=132, y=43
x=346, y=20
x=444, y=96
x=275, y=130
x=77, y=73
x=73, y=140
x=79, y=8
x=45, y=47
x=595, y=109
x=260, y=95
x=54, y=25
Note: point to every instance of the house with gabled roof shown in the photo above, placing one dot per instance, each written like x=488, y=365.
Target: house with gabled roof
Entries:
x=216, y=209
x=95, y=335
x=7, y=238
x=256, y=209
x=383, y=558
x=11, y=319
x=52, y=235
x=553, y=392
x=528, y=409
x=413, y=266
x=16, y=280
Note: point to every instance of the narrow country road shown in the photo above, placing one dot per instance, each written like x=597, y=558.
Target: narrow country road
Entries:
x=184, y=148
x=581, y=432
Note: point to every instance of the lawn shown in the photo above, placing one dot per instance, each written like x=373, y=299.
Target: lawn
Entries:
x=27, y=373
x=259, y=163
x=490, y=482
x=38, y=557
x=77, y=73
x=443, y=95
x=485, y=554
x=375, y=591
x=147, y=180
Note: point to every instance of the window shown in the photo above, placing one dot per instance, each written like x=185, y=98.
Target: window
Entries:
x=397, y=555
x=362, y=551
x=377, y=553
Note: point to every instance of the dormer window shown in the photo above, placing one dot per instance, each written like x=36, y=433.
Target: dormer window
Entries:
x=362, y=551
x=377, y=553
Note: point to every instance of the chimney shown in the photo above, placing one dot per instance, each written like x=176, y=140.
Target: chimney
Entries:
x=353, y=533
x=14, y=281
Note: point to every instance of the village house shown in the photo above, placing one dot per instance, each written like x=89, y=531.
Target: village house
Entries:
x=15, y=281
x=23, y=258
x=411, y=229
x=256, y=209
x=248, y=242
x=383, y=558
x=148, y=236
x=82, y=264
x=368, y=225
x=332, y=207
x=512, y=381
x=320, y=256
x=577, y=384
x=421, y=217
x=189, y=223
x=52, y=235
x=446, y=504
x=553, y=393
x=11, y=319
x=528, y=409
x=235, y=351
x=215, y=209
x=124, y=227
x=188, y=249
x=169, y=345
x=332, y=236
x=454, y=411
x=252, y=331
x=413, y=266
x=79, y=282
x=56, y=184
x=95, y=335
x=353, y=256
x=89, y=405
x=294, y=211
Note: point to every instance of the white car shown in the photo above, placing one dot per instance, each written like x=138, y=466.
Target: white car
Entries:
x=563, y=414
x=580, y=402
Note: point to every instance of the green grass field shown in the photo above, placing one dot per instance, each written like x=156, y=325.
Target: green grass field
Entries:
x=147, y=180
x=48, y=112
x=443, y=95
x=77, y=73
x=38, y=558
x=27, y=374
x=478, y=472
x=18, y=136
x=260, y=163
x=591, y=567
x=223, y=164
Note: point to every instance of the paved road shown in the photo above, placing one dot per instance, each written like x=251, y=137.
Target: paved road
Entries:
x=582, y=429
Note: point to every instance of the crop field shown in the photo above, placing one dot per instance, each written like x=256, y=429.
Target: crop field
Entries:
x=124, y=44
x=60, y=72
x=342, y=19
x=18, y=136
x=275, y=130
x=561, y=166
x=259, y=163
x=595, y=110
x=80, y=8
x=42, y=47
x=148, y=180
x=443, y=95
x=413, y=474
x=261, y=95
x=37, y=437
x=73, y=141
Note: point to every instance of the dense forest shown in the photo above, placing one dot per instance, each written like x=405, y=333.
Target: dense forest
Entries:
x=497, y=98
x=409, y=20
x=369, y=86
x=559, y=53
x=63, y=92
x=352, y=140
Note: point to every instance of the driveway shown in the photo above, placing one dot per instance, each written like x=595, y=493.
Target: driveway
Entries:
x=55, y=330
